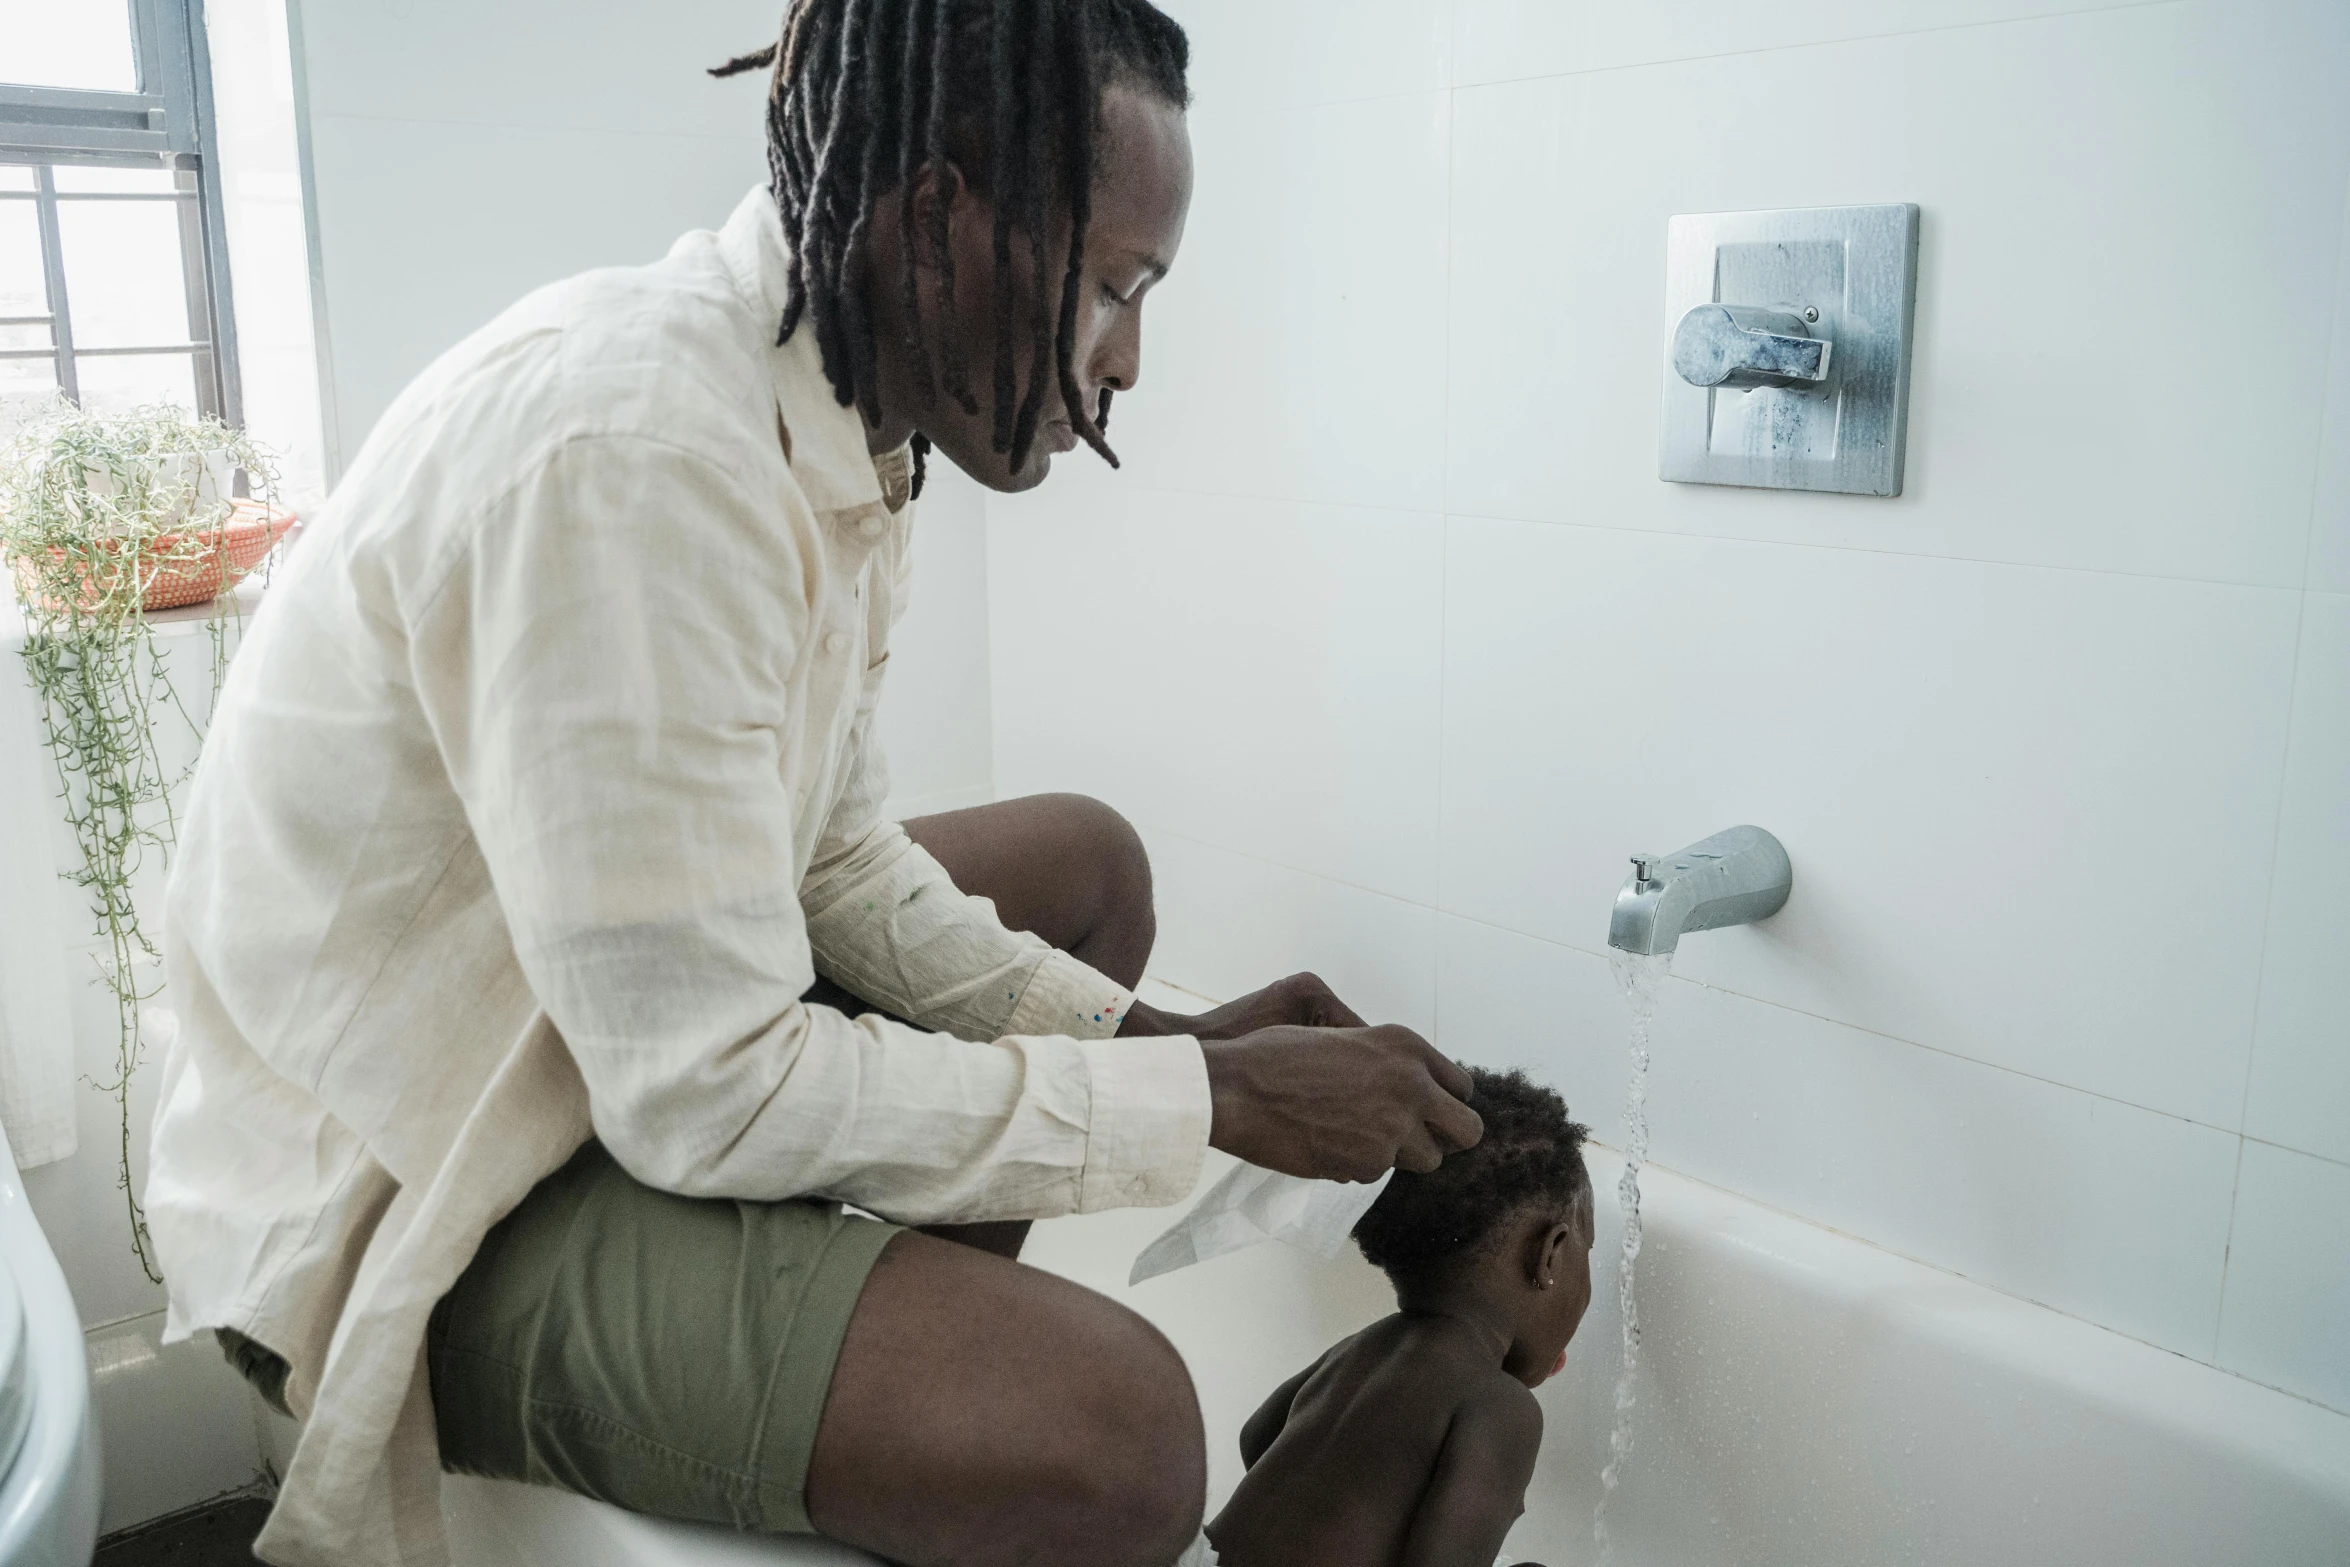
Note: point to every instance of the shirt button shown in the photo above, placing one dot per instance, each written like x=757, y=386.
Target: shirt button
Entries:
x=835, y=642
x=871, y=525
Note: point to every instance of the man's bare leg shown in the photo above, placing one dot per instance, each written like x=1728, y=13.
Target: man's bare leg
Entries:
x=1063, y=867
x=984, y=1413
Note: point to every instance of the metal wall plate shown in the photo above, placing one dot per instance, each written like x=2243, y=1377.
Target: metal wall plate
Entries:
x=1850, y=275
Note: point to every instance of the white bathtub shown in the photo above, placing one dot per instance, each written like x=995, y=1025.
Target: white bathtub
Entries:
x=1809, y=1400
x=1806, y=1400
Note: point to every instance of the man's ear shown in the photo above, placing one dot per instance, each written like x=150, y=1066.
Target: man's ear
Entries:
x=938, y=187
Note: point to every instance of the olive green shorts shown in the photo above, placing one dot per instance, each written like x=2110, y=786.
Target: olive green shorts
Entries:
x=667, y=1354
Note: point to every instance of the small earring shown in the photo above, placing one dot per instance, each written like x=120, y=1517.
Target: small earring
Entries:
x=1546, y=1283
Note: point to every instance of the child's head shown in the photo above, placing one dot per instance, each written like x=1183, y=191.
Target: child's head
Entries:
x=1508, y=1222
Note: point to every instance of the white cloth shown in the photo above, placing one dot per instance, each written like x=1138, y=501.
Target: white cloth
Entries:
x=36, y=1021
x=541, y=789
x=1251, y=1205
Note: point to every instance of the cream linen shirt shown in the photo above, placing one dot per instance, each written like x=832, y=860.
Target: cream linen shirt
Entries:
x=542, y=788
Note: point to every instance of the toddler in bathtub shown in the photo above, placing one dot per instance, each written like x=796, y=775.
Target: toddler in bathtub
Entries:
x=1410, y=1443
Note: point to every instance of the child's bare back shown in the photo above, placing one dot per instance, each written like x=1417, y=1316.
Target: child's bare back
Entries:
x=1410, y=1444
x=1404, y=1444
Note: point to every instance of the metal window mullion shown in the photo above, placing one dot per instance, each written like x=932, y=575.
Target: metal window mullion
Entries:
x=220, y=317
x=69, y=380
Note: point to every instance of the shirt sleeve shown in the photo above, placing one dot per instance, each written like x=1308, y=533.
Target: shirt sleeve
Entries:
x=608, y=671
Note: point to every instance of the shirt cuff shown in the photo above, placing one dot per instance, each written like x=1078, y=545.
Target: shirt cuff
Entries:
x=1069, y=998
x=1148, y=1131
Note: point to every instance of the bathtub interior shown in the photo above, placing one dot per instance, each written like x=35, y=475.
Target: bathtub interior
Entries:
x=1808, y=1399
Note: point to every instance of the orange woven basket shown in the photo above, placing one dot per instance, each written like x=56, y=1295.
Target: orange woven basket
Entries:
x=225, y=557
x=231, y=552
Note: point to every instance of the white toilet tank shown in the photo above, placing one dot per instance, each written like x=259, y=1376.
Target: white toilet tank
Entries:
x=497, y=1523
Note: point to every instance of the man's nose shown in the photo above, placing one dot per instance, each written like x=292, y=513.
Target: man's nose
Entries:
x=1116, y=363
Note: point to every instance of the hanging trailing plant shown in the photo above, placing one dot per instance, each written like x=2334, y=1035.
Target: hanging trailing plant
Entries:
x=104, y=517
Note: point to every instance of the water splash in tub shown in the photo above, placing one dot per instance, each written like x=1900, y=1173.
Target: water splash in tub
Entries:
x=1643, y=979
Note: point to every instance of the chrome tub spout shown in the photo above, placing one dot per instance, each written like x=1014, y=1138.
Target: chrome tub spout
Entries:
x=1732, y=878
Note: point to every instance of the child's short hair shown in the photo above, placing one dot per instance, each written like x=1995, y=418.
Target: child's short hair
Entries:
x=1531, y=1153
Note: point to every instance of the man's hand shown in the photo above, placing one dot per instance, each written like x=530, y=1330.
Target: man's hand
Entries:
x=1301, y=999
x=1344, y=1104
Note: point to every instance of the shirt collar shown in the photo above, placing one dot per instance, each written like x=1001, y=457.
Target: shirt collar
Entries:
x=823, y=441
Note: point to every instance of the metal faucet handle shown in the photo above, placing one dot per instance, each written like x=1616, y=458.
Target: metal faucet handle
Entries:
x=1644, y=868
x=1748, y=346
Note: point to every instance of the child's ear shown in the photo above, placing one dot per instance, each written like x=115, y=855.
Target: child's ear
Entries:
x=1556, y=1249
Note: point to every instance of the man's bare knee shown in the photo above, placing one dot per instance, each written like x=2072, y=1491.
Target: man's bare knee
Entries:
x=1132, y=1468
x=1108, y=859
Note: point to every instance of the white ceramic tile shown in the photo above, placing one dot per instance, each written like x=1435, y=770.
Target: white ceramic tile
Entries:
x=2030, y=811
x=2300, y=1084
x=2286, y=1321
x=2329, y=537
x=428, y=231
x=1246, y=52
x=175, y=1423
x=933, y=721
x=1256, y=674
x=1505, y=40
x=2110, y=1212
x=2081, y=178
x=1229, y=924
x=1297, y=349
x=602, y=66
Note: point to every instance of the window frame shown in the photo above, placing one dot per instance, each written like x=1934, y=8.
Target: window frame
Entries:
x=167, y=123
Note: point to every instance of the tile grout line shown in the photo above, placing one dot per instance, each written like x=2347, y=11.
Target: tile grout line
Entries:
x=1444, y=521
x=1444, y=510
x=1765, y=1001
x=1839, y=41
x=2227, y=1252
x=1568, y=946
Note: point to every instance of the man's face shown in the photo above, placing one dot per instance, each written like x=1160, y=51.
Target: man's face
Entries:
x=1141, y=196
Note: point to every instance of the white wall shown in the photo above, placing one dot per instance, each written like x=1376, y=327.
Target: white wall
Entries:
x=461, y=155
x=1395, y=647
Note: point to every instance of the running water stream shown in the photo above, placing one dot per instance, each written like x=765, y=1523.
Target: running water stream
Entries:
x=1643, y=979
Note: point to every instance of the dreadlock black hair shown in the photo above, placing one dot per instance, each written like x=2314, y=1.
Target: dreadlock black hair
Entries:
x=868, y=91
x=1530, y=1154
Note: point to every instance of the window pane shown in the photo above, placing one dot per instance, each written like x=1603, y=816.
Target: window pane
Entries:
x=123, y=282
x=148, y=180
x=114, y=383
x=68, y=43
x=19, y=336
x=22, y=290
x=24, y=382
x=16, y=176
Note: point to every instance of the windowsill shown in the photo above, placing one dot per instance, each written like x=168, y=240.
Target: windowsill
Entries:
x=167, y=623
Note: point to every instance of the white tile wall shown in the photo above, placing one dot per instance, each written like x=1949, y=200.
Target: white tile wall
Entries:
x=1998, y=784
x=2329, y=526
x=1503, y=40
x=2287, y=1318
x=2036, y=367
x=1299, y=642
x=1229, y=923
x=2034, y=732
x=429, y=229
x=2105, y=1210
x=1306, y=369
x=2299, y=1091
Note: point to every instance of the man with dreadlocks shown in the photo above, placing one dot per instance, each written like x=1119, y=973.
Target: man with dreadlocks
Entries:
x=550, y=976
